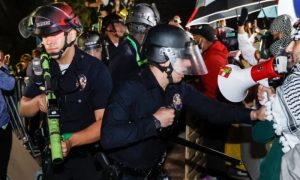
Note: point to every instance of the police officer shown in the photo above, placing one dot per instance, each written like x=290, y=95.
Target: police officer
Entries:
x=81, y=83
x=118, y=50
x=91, y=42
x=113, y=29
x=143, y=107
x=140, y=19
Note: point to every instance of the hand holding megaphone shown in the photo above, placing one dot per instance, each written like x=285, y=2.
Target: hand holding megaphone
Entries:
x=234, y=82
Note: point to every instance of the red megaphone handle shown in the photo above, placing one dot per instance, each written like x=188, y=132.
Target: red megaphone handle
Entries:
x=264, y=70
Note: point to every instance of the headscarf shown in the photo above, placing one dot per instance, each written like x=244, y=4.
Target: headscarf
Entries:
x=281, y=24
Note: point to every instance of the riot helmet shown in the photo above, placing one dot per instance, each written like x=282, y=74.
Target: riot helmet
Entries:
x=142, y=16
x=169, y=43
x=48, y=20
x=91, y=42
x=111, y=19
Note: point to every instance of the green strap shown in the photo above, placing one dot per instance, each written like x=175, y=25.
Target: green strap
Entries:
x=138, y=58
x=67, y=136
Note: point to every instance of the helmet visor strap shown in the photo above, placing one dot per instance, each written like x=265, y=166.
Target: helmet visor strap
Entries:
x=59, y=54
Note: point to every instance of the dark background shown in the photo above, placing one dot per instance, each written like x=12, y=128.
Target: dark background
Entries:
x=12, y=11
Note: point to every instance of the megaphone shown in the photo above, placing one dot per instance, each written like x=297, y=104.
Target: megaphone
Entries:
x=234, y=82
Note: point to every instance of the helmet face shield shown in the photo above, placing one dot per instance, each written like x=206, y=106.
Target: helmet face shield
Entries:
x=49, y=20
x=96, y=52
x=42, y=27
x=187, y=61
x=26, y=27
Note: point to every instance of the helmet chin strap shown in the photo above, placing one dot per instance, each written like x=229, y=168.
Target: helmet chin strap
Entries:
x=59, y=54
x=168, y=70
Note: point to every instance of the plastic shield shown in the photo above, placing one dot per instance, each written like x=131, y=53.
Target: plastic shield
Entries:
x=189, y=61
x=26, y=27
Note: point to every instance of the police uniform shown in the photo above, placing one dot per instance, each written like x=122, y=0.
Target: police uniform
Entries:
x=129, y=132
x=125, y=62
x=83, y=88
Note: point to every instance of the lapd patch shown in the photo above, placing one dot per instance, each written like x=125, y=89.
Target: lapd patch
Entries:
x=177, y=102
x=82, y=81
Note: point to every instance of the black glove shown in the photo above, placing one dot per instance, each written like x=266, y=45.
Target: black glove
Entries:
x=244, y=16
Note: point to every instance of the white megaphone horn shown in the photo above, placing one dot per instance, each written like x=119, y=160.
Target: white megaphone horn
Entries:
x=234, y=82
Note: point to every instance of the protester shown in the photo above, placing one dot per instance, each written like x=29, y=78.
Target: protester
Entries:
x=283, y=113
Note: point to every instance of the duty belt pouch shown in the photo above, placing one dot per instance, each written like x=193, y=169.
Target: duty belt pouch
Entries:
x=111, y=170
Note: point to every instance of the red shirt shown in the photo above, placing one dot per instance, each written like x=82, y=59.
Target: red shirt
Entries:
x=215, y=57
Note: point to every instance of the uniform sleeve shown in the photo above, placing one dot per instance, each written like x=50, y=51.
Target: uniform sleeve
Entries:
x=7, y=82
x=102, y=87
x=119, y=128
x=212, y=110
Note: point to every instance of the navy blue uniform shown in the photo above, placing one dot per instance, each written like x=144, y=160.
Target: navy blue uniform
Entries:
x=123, y=62
x=77, y=104
x=128, y=129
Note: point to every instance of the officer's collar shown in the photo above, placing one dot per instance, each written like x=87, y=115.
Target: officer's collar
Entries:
x=77, y=60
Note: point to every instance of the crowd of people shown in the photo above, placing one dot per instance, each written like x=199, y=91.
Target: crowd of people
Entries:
x=119, y=90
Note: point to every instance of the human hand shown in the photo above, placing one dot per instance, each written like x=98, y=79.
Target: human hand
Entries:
x=259, y=114
x=41, y=101
x=165, y=116
x=264, y=93
x=66, y=147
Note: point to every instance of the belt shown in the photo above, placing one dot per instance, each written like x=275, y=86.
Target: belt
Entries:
x=83, y=151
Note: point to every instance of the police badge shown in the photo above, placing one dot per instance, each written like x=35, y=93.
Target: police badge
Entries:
x=177, y=102
x=82, y=81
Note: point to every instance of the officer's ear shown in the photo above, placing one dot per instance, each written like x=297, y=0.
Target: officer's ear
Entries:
x=72, y=35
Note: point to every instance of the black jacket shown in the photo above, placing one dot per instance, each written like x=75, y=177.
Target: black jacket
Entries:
x=129, y=131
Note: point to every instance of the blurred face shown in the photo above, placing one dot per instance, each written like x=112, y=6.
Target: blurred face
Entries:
x=118, y=29
x=294, y=49
x=181, y=65
x=202, y=42
x=97, y=53
x=54, y=43
x=277, y=35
